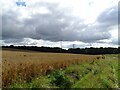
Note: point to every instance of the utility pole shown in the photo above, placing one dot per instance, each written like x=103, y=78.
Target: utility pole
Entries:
x=73, y=45
x=61, y=44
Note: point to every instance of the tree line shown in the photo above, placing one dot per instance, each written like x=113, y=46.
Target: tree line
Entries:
x=91, y=50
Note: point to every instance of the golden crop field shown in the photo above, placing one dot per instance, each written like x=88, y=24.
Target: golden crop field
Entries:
x=25, y=65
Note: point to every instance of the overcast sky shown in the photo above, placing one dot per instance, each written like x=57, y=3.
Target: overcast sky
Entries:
x=84, y=23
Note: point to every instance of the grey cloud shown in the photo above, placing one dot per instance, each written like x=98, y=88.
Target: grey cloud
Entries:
x=108, y=18
x=11, y=26
x=13, y=40
x=76, y=45
x=57, y=25
x=119, y=13
x=95, y=36
x=115, y=41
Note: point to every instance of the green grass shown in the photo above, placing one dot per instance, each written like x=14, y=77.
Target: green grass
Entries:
x=104, y=74
x=94, y=74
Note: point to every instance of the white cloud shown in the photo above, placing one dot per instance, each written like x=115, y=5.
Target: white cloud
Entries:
x=46, y=21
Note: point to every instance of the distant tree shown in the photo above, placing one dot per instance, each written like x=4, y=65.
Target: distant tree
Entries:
x=11, y=46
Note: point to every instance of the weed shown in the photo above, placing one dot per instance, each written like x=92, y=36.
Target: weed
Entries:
x=61, y=80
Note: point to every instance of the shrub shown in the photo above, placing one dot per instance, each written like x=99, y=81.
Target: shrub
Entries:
x=60, y=79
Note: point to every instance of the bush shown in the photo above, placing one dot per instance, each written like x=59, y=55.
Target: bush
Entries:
x=60, y=79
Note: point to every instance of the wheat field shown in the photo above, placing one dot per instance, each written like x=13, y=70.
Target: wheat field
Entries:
x=22, y=66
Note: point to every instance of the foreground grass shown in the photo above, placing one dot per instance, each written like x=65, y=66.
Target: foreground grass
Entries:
x=94, y=74
x=100, y=74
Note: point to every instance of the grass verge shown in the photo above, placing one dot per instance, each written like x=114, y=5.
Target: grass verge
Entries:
x=101, y=73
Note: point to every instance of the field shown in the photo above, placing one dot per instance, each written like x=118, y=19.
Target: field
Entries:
x=25, y=69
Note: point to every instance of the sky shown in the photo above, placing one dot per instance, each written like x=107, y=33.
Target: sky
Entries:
x=85, y=23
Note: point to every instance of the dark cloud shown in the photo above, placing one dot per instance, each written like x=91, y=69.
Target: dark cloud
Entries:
x=0, y=27
x=109, y=17
x=11, y=26
x=119, y=13
x=57, y=25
